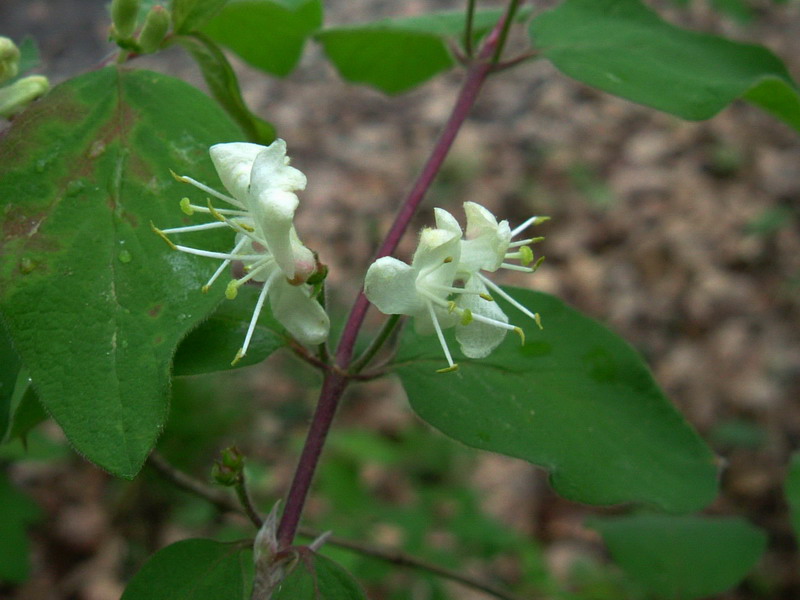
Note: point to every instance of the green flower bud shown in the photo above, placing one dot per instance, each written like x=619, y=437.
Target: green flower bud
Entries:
x=15, y=97
x=154, y=30
x=224, y=475
x=9, y=59
x=123, y=16
x=233, y=458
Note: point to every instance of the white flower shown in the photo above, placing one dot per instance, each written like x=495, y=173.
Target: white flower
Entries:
x=262, y=186
x=486, y=248
x=424, y=289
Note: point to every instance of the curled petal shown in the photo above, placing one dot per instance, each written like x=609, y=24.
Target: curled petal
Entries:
x=302, y=315
x=271, y=170
x=234, y=163
x=446, y=221
x=274, y=212
x=486, y=242
x=478, y=339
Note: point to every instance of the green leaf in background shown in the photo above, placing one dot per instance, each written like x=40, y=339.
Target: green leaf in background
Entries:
x=318, y=578
x=194, y=569
x=212, y=346
x=29, y=58
x=792, y=491
x=575, y=399
x=188, y=15
x=20, y=409
x=269, y=34
x=10, y=366
x=397, y=54
x=624, y=48
x=94, y=301
x=682, y=558
x=221, y=80
x=18, y=512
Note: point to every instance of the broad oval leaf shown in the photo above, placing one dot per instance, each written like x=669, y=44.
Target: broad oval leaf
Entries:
x=316, y=577
x=575, y=399
x=624, y=48
x=683, y=557
x=194, y=569
x=269, y=34
x=188, y=15
x=94, y=301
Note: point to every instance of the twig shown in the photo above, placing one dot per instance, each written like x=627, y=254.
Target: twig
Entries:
x=362, y=361
x=246, y=501
x=227, y=503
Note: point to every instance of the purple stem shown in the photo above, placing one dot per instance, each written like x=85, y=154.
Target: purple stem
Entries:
x=336, y=378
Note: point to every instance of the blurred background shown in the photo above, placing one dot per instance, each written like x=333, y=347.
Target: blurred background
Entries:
x=682, y=237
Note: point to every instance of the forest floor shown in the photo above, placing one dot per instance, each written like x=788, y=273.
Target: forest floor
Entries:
x=682, y=237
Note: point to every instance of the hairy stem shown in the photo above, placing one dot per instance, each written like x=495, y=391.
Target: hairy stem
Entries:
x=336, y=379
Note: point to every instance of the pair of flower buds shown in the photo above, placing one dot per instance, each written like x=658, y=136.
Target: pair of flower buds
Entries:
x=443, y=287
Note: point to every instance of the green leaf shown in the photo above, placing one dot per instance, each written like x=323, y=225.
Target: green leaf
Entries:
x=189, y=15
x=212, y=346
x=18, y=512
x=575, y=399
x=94, y=301
x=397, y=54
x=685, y=557
x=221, y=80
x=269, y=34
x=194, y=570
x=20, y=409
x=318, y=578
x=29, y=57
x=624, y=48
x=792, y=491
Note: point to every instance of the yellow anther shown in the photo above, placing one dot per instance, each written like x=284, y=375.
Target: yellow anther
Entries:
x=186, y=206
x=537, y=240
x=232, y=289
x=486, y=297
x=246, y=227
x=449, y=259
x=520, y=333
x=526, y=256
x=177, y=177
x=204, y=289
x=450, y=369
x=466, y=317
x=537, y=264
x=538, y=319
x=451, y=306
x=214, y=212
x=239, y=356
x=163, y=236
x=540, y=220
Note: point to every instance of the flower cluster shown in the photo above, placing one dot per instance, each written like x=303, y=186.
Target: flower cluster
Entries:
x=444, y=286
x=262, y=198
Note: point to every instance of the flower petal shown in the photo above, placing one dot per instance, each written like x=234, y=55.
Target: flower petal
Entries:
x=390, y=286
x=234, y=164
x=477, y=339
x=271, y=170
x=274, y=215
x=486, y=242
x=302, y=315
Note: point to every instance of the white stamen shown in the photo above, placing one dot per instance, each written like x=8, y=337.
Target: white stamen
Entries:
x=440, y=335
x=481, y=319
x=496, y=288
x=259, y=305
x=219, y=255
x=189, y=228
x=511, y=267
x=222, y=211
x=515, y=232
x=212, y=191
x=224, y=264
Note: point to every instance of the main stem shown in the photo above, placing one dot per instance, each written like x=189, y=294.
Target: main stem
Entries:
x=336, y=379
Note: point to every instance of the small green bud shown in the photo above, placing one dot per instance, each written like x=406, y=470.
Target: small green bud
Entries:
x=155, y=28
x=123, y=17
x=233, y=458
x=9, y=59
x=224, y=475
x=15, y=97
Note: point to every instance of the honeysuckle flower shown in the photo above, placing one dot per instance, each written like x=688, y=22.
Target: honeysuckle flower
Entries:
x=488, y=246
x=262, y=189
x=424, y=290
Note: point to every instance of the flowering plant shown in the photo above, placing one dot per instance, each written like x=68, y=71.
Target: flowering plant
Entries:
x=132, y=346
